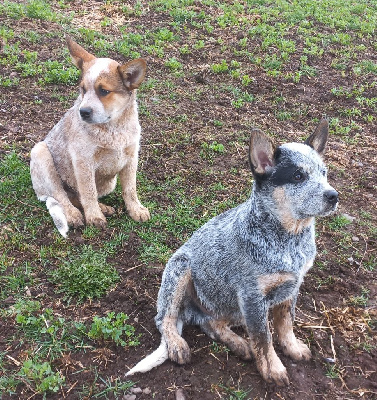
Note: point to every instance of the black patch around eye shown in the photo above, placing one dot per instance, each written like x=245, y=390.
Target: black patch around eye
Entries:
x=286, y=172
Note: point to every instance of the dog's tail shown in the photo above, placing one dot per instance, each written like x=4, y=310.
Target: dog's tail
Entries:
x=153, y=360
x=57, y=214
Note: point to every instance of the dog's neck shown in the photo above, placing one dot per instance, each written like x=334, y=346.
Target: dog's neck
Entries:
x=276, y=209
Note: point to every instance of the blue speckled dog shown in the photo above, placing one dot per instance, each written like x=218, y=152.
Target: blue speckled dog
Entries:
x=250, y=259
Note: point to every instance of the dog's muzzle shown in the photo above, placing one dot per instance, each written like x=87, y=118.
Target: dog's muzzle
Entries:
x=86, y=113
x=331, y=197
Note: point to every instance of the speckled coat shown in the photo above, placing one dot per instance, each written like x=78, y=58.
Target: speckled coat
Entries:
x=250, y=259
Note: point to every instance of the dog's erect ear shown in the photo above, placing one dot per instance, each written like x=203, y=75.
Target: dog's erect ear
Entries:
x=261, y=152
x=78, y=54
x=318, y=139
x=133, y=73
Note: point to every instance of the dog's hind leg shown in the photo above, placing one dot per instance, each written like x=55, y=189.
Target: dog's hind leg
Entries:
x=48, y=187
x=172, y=325
x=220, y=330
x=169, y=319
x=283, y=316
x=175, y=280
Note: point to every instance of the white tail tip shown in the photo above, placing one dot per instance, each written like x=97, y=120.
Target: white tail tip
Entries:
x=153, y=360
x=57, y=215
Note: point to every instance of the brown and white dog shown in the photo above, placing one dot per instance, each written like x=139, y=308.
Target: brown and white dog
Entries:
x=96, y=140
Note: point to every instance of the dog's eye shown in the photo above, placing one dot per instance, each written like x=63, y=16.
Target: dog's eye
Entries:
x=298, y=176
x=103, y=92
x=83, y=90
x=324, y=172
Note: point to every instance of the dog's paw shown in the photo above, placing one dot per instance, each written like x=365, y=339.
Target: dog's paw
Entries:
x=107, y=211
x=97, y=221
x=139, y=213
x=75, y=218
x=297, y=350
x=274, y=373
x=279, y=377
x=179, y=351
x=272, y=369
x=240, y=348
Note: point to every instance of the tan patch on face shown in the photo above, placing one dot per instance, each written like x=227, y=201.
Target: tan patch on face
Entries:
x=269, y=282
x=289, y=222
x=119, y=95
x=111, y=79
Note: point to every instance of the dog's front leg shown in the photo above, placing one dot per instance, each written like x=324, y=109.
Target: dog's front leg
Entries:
x=127, y=177
x=255, y=312
x=86, y=187
x=283, y=317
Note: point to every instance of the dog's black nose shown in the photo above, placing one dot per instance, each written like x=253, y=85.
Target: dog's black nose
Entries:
x=331, y=196
x=86, y=113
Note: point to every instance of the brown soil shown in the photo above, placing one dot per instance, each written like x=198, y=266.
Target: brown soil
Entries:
x=326, y=318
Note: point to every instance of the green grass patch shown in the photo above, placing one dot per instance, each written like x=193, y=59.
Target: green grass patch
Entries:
x=85, y=274
x=36, y=9
x=19, y=203
x=338, y=222
x=113, y=328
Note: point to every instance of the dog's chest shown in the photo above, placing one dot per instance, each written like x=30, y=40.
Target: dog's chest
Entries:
x=286, y=268
x=109, y=162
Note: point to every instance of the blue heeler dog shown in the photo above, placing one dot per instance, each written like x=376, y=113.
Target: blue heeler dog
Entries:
x=250, y=259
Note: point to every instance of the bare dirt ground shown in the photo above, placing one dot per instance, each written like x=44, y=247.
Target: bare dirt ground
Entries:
x=341, y=332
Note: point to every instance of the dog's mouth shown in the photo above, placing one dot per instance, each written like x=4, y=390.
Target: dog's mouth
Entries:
x=92, y=121
x=329, y=209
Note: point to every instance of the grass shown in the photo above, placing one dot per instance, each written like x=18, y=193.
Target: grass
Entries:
x=37, y=9
x=40, y=377
x=49, y=336
x=235, y=394
x=332, y=371
x=215, y=70
x=338, y=222
x=114, y=387
x=85, y=275
x=113, y=328
x=361, y=300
